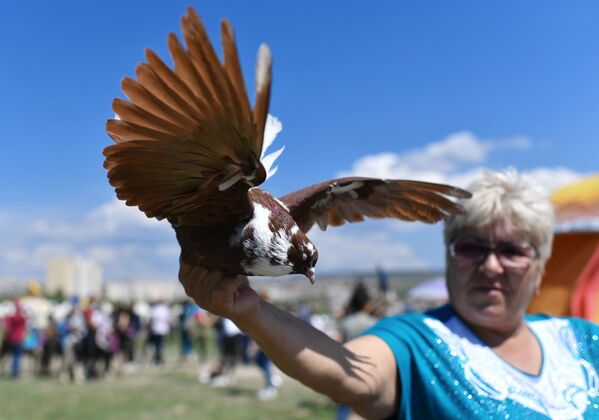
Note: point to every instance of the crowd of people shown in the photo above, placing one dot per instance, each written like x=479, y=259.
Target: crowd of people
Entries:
x=80, y=340
x=83, y=340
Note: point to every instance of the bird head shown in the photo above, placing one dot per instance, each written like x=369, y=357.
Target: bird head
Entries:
x=302, y=255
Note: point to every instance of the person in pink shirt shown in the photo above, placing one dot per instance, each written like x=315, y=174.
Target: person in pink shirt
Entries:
x=16, y=330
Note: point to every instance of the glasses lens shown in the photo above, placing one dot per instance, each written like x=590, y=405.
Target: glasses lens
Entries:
x=469, y=250
x=515, y=255
x=510, y=254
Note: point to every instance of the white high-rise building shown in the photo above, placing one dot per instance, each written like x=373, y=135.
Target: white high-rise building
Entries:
x=74, y=276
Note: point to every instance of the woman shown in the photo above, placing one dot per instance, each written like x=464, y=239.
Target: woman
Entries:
x=478, y=357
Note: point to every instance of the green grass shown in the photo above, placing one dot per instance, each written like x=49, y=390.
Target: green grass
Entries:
x=170, y=392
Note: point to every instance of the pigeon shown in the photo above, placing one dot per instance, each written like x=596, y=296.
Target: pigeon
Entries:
x=189, y=148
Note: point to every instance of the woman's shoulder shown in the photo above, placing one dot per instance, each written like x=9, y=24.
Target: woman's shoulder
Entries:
x=575, y=322
x=585, y=326
x=409, y=325
x=441, y=313
x=573, y=330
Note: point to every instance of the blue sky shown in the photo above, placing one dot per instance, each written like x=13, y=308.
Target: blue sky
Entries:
x=429, y=90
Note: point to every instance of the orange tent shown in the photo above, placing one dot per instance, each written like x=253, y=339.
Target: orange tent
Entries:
x=571, y=282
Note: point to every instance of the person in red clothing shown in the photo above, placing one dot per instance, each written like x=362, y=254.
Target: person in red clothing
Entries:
x=16, y=330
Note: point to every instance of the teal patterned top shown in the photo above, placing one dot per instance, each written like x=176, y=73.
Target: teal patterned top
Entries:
x=446, y=371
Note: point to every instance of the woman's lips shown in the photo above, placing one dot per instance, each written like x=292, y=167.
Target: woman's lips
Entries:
x=488, y=290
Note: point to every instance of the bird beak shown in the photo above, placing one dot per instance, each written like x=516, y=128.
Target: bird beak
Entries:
x=311, y=275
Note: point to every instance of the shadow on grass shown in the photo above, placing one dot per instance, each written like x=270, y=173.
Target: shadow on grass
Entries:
x=238, y=391
x=316, y=406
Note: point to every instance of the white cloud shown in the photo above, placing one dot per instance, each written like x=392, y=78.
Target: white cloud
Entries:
x=106, y=221
x=103, y=254
x=552, y=178
x=116, y=214
x=15, y=255
x=456, y=160
x=44, y=251
x=121, y=238
x=432, y=161
x=170, y=250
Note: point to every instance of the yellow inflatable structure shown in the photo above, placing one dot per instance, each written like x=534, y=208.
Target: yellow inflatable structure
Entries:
x=571, y=282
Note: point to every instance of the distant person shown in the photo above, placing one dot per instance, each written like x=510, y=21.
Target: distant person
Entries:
x=94, y=339
x=480, y=356
x=160, y=327
x=231, y=352
x=203, y=322
x=356, y=319
x=271, y=380
x=382, y=279
x=126, y=327
x=106, y=340
x=73, y=330
x=187, y=324
x=15, y=326
x=51, y=346
x=357, y=314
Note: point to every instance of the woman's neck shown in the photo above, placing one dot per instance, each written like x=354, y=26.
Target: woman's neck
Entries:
x=495, y=337
x=516, y=345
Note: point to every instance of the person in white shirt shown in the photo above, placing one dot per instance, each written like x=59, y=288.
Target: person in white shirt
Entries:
x=160, y=326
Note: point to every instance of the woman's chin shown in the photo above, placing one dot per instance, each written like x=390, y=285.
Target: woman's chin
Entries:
x=487, y=310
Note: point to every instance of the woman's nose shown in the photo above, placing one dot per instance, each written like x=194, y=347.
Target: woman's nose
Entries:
x=491, y=264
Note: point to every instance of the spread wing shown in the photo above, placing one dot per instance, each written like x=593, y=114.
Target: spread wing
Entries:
x=188, y=144
x=352, y=199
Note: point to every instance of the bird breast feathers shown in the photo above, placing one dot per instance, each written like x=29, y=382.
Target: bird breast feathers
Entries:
x=266, y=244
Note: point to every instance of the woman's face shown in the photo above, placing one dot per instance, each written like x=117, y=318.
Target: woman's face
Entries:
x=492, y=291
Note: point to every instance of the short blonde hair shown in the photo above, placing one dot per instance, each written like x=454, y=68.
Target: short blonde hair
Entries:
x=509, y=198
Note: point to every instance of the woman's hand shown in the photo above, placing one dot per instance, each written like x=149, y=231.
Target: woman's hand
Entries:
x=225, y=295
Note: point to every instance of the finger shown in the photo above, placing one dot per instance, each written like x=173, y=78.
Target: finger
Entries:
x=189, y=276
x=207, y=287
x=227, y=288
x=188, y=272
x=197, y=281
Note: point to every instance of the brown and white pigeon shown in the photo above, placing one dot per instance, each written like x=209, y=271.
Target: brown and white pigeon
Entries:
x=189, y=148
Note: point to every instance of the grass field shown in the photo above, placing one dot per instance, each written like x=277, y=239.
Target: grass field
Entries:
x=168, y=392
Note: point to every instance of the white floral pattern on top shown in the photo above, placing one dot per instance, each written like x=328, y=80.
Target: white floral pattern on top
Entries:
x=562, y=389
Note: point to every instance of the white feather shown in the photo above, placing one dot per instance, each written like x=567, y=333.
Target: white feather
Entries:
x=269, y=159
x=229, y=182
x=262, y=66
x=271, y=129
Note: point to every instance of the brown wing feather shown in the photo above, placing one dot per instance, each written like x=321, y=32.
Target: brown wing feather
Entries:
x=188, y=143
x=263, y=82
x=233, y=69
x=351, y=199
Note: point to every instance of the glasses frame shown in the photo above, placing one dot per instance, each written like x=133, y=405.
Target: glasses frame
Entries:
x=492, y=248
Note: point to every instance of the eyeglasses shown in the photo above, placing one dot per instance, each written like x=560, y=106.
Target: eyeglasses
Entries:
x=511, y=255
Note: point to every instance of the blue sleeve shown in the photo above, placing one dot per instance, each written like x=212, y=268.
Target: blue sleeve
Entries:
x=396, y=331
